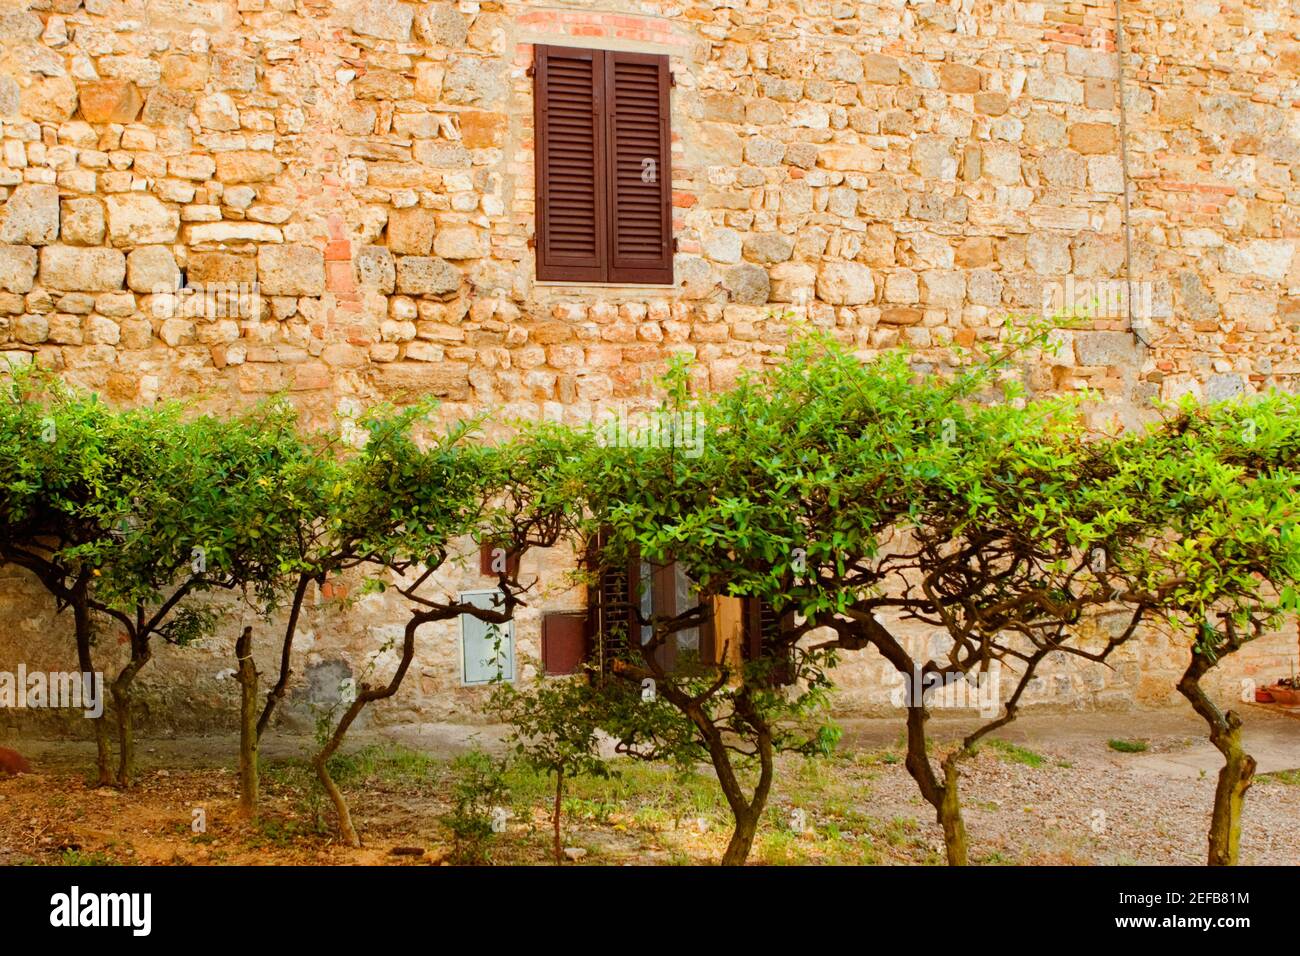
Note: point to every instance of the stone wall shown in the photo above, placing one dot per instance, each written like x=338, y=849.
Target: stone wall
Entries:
x=360, y=173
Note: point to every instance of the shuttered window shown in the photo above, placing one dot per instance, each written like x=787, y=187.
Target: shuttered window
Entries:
x=763, y=632
x=564, y=642
x=604, y=203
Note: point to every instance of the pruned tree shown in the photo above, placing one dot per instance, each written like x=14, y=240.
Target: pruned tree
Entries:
x=204, y=515
x=860, y=500
x=555, y=730
x=402, y=510
x=1223, y=561
x=53, y=462
x=666, y=693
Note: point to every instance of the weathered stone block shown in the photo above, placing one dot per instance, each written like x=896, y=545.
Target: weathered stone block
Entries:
x=50, y=100
x=31, y=215
x=410, y=231
x=151, y=270
x=851, y=158
x=442, y=379
x=82, y=222
x=247, y=166
x=376, y=269
x=17, y=268
x=438, y=24
x=933, y=157
x=436, y=153
x=217, y=111
x=1093, y=138
x=291, y=269
x=722, y=245
x=73, y=268
x=762, y=151
x=769, y=247
x=426, y=275
x=879, y=68
x=1048, y=254
x=31, y=329
x=482, y=130
x=748, y=284
x=959, y=78
x=182, y=72
x=902, y=286
x=234, y=232
x=474, y=80
x=845, y=283
x=461, y=242
x=136, y=219
x=1105, y=348
x=167, y=107
x=901, y=315
x=385, y=19
x=205, y=268
x=382, y=85
x=110, y=101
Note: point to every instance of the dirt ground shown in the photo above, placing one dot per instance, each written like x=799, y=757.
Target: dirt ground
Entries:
x=1062, y=789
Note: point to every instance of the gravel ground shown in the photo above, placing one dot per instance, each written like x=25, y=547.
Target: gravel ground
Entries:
x=1087, y=803
x=1052, y=792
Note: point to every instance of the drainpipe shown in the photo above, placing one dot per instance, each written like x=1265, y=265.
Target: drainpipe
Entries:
x=1123, y=161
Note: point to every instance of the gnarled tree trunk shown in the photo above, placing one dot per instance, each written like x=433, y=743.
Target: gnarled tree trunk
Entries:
x=140, y=655
x=745, y=811
x=555, y=817
x=365, y=695
x=1237, y=773
x=246, y=671
x=286, y=652
x=85, y=662
x=943, y=796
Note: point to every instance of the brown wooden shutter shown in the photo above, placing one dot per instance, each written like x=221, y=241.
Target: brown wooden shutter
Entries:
x=487, y=554
x=609, y=609
x=640, y=168
x=763, y=627
x=572, y=216
x=564, y=642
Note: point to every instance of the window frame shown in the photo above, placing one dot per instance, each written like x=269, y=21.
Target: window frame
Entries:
x=547, y=271
x=508, y=629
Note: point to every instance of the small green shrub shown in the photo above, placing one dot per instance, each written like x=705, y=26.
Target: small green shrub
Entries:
x=478, y=788
x=1127, y=746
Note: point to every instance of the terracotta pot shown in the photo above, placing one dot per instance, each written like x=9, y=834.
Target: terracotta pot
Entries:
x=1284, y=695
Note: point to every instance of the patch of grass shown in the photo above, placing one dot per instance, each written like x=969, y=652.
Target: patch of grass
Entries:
x=1017, y=754
x=1290, y=778
x=386, y=764
x=1127, y=746
x=873, y=758
x=279, y=832
x=780, y=848
x=586, y=808
x=652, y=819
x=72, y=857
x=900, y=831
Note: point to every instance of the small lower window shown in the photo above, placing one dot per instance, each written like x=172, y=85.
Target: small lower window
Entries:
x=487, y=650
